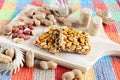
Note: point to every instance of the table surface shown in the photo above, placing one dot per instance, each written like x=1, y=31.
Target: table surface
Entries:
x=107, y=68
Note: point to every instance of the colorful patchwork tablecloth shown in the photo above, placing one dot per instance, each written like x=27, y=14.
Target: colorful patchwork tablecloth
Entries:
x=107, y=68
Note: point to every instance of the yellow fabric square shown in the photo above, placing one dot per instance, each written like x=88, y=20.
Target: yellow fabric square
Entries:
x=9, y=5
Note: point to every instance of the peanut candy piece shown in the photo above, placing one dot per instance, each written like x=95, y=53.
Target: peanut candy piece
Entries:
x=72, y=40
x=49, y=40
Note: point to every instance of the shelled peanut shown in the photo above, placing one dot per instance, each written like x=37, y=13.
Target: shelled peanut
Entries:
x=29, y=59
x=5, y=59
x=22, y=32
x=5, y=29
x=10, y=52
x=7, y=55
x=75, y=74
x=47, y=65
x=40, y=17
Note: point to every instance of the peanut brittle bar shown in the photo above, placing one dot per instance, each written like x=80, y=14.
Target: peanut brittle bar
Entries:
x=49, y=40
x=72, y=40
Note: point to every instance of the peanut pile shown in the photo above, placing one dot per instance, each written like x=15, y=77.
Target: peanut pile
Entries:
x=22, y=32
x=66, y=39
x=49, y=40
x=40, y=17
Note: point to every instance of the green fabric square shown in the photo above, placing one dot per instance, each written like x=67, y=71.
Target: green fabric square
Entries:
x=116, y=16
x=74, y=1
x=119, y=34
x=6, y=14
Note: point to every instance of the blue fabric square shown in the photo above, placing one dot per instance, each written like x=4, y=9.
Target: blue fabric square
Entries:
x=20, y=5
x=15, y=13
x=25, y=1
x=103, y=69
x=110, y=1
x=86, y=1
x=5, y=76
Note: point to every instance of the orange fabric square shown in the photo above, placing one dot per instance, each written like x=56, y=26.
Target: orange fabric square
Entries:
x=100, y=6
x=4, y=23
x=24, y=74
x=116, y=64
x=110, y=28
x=9, y=5
x=37, y=3
x=114, y=36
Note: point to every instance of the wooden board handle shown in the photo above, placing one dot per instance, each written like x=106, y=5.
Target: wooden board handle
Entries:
x=113, y=49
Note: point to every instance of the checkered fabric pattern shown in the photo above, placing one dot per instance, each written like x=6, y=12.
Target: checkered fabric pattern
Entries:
x=107, y=68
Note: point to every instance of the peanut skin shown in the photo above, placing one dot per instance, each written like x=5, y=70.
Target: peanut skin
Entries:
x=5, y=59
x=29, y=59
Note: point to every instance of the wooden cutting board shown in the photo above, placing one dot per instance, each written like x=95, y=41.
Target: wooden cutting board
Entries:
x=101, y=46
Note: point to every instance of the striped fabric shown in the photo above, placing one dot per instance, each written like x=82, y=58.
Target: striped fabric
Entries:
x=107, y=68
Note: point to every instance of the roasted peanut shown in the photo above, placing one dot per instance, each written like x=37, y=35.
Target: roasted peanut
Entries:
x=52, y=18
x=20, y=35
x=29, y=59
x=30, y=13
x=21, y=23
x=68, y=76
x=5, y=59
x=15, y=24
x=32, y=32
x=75, y=73
x=5, y=29
x=43, y=65
x=37, y=22
x=45, y=11
x=48, y=65
x=30, y=27
x=52, y=65
x=26, y=37
x=10, y=52
x=61, y=19
x=22, y=18
x=29, y=22
x=18, y=40
x=27, y=32
x=46, y=22
x=67, y=23
x=20, y=32
x=39, y=16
